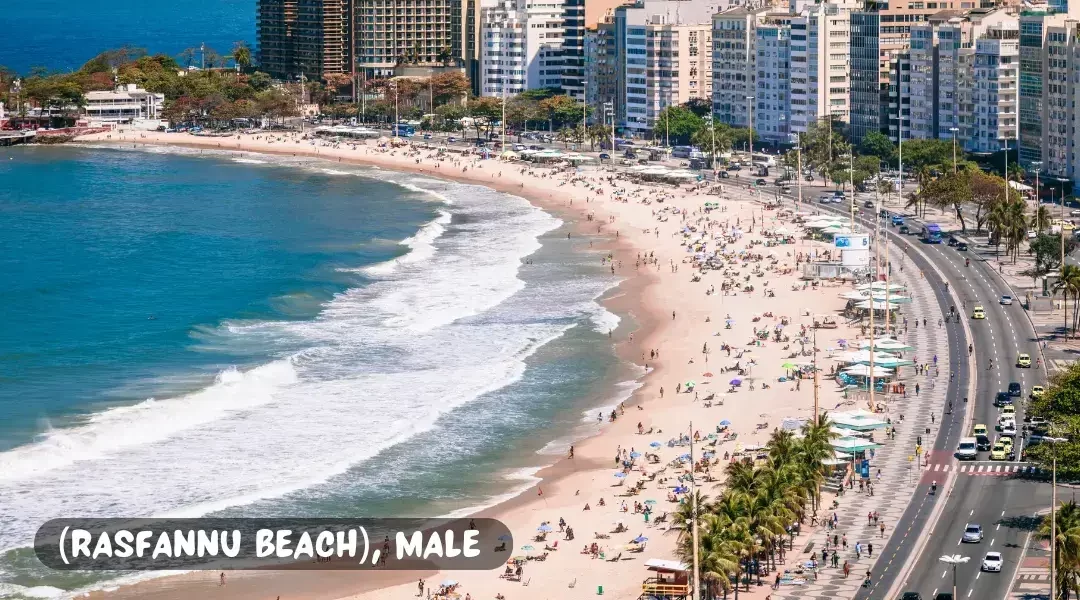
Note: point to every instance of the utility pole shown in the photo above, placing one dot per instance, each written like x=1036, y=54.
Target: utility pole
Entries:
x=1053, y=514
x=750, y=130
x=712, y=155
x=954, y=130
x=502, y=144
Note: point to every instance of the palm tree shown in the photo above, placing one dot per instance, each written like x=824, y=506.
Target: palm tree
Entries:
x=997, y=222
x=1066, y=548
x=241, y=55
x=1016, y=227
x=1041, y=219
x=1069, y=283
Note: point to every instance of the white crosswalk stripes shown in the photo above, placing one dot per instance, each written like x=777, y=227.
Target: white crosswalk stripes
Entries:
x=991, y=469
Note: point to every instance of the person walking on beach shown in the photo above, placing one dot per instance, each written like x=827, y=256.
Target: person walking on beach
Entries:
x=421, y=587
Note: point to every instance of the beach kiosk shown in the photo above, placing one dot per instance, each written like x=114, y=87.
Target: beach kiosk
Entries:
x=669, y=580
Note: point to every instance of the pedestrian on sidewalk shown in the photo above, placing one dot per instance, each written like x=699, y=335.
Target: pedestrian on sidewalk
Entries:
x=835, y=559
x=870, y=549
x=844, y=541
x=858, y=551
x=869, y=517
x=882, y=528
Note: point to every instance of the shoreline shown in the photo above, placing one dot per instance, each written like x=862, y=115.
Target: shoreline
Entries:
x=635, y=296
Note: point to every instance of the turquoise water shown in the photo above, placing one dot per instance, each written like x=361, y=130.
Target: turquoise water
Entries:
x=209, y=333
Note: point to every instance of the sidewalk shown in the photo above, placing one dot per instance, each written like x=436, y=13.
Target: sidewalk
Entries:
x=893, y=492
x=1033, y=578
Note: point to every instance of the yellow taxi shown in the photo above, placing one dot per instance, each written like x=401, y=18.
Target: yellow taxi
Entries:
x=978, y=313
x=1009, y=411
x=980, y=429
x=1066, y=225
x=998, y=452
x=1007, y=442
x=1037, y=391
x=1024, y=360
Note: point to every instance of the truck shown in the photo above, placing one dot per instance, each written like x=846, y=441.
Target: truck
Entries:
x=967, y=449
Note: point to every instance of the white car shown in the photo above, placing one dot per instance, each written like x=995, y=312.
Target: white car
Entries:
x=992, y=562
x=1006, y=300
x=1009, y=429
x=1031, y=234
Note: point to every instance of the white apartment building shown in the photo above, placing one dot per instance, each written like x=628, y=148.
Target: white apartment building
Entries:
x=125, y=104
x=820, y=64
x=963, y=78
x=995, y=96
x=772, y=96
x=734, y=71
x=663, y=57
x=521, y=46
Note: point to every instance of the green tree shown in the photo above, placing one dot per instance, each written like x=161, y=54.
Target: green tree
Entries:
x=879, y=145
x=701, y=107
x=1066, y=541
x=677, y=125
x=1060, y=406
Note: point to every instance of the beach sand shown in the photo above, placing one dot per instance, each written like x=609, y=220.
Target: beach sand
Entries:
x=676, y=317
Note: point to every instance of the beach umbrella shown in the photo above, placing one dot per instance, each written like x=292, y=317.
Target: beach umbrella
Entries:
x=544, y=528
x=788, y=365
x=655, y=445
x=736, y=381
x=620, y=474
x=640, y=539
x=650, y=501
x=528, y=548
x=725, y=422
x=682, y=489
x=448, y=583
x=690, y=384
x=635, y=455
x=707, y=375
x=685, y=456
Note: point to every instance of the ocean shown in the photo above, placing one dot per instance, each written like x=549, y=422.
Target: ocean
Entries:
x=60, y=35
x=193, y=333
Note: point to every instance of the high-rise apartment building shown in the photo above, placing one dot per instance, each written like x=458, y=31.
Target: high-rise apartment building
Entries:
x=521, y=46
x=573, y=75
x=417, y=33
x=820, y=64
x=734, y=34
x=663, y=57
x=963, y=78
x=600, y=81
x=867, y=112
x=1048, y=92
x=304, y=38
x=772, y=94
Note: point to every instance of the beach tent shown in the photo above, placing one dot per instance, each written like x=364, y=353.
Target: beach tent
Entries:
x=859, y=420
x=864, y=371
x=886, y=344
x=880, y=286
x=851, y=445
x=878, y=305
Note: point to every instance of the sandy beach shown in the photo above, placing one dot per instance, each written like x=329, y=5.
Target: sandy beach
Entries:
x=691, y=329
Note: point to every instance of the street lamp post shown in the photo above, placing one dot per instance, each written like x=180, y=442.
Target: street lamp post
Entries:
x=1036, y=165
x=798, y=167
x=954, y=560
x=750, y=131
x=954, y=130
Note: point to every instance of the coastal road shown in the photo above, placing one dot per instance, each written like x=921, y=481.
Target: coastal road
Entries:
x=990, y=494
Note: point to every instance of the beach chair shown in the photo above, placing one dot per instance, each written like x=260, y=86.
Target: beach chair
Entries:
x=501, y=547
x=526, y=582
x=554, y=546
x=616, y=558
x=573, y=583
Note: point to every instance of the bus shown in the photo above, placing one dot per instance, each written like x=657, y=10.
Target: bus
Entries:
x=931, y=234
x=766, y=160
x=404, y=130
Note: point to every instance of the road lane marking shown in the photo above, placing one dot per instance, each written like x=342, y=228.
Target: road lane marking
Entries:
x=992, y=541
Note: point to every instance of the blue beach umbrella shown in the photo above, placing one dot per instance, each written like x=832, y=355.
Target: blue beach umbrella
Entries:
x=544, y=528
x=620, y=474
x=504, y=537
x=635, y=455
x=528, y=548
x=448, y=582
x=725, y=423
x=639, y=539
x=655, y=445
x=736, y=381
x=650, y=502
